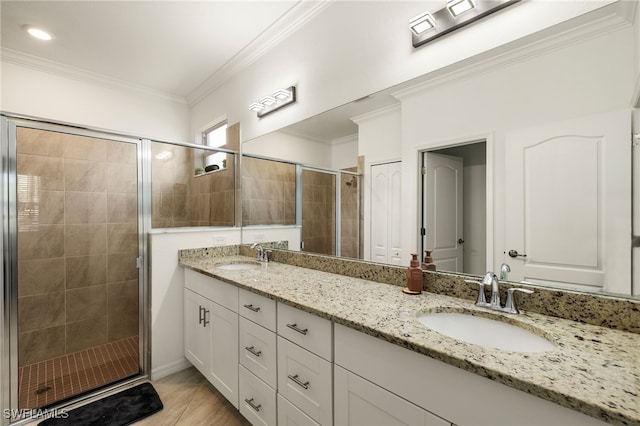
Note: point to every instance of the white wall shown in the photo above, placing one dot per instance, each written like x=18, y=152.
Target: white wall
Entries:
x=167, y=299
x=344, y=153
x=353, y=49
x=41, y=94
x=291, y=147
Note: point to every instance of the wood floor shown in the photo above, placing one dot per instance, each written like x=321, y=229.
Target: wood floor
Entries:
x=189, y=399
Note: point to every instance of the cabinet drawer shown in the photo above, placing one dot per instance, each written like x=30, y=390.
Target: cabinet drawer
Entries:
x=290, y=415
x=257, y=399
x=220, y=292
x=305, y=379
x=257, y=351
x=258, y=309
x=307, y=330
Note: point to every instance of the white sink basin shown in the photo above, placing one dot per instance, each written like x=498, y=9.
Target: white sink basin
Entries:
x=238, y=266
x=485, y=332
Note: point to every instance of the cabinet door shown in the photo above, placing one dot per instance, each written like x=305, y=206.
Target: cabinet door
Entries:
x=290, y=415
x=360, y=402
x=196, y=335
x=223, y=367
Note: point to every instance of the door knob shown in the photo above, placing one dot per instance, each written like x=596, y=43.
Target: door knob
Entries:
x=514, y=253
x=460, y=241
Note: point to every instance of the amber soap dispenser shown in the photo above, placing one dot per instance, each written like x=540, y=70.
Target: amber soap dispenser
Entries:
x=414, y=276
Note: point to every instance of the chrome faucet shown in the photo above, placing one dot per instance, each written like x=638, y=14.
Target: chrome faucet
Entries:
x=491, y=279
x=504, y=271
x=262, y=255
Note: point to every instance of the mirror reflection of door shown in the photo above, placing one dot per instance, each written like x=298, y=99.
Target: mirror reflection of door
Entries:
x=567, y=187
x=386, y=206
x=444, y=231
x=454, y=208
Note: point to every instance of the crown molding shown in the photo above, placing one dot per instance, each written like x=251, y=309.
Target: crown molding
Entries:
x=302, y=135
x=376, y=113
x=296, y=17
x=36, y=63
x=345, y=139
x=607, y=20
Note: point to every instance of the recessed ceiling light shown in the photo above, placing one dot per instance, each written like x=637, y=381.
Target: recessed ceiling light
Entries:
x=38, y=33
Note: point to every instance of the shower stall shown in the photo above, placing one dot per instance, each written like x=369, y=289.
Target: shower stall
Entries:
x=74, y=295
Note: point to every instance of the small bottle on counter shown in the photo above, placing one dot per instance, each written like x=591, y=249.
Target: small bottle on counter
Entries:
x=428, y=264
x=414, y=276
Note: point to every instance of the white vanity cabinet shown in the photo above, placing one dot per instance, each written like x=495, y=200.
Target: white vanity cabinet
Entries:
x=447, y=392
x=258, y=358
x=304, y=365
x=211, y=331
x=360, y=402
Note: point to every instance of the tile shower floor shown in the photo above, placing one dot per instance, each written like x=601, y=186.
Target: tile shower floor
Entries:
x=45, y=382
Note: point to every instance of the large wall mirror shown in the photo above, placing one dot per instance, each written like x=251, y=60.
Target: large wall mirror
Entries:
x=539, y=140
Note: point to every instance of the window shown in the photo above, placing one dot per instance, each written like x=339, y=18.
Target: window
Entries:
x=215, y=137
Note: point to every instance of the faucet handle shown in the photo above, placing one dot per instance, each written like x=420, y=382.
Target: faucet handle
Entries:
x=510, y=305
x=482, y=300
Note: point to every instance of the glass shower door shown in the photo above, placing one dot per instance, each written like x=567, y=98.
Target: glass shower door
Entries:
x=77, y=287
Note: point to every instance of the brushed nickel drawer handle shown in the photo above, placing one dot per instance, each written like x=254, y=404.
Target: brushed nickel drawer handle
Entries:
x=200, y=309
x=251, y=308
x=253, y=350
x=204, y=317
x=294, y=327
x=252, y=405
x=298, y=382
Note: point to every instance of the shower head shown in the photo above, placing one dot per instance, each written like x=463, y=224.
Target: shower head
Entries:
x=352, y=182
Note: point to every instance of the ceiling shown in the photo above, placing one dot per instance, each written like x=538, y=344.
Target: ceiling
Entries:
x=183, y=49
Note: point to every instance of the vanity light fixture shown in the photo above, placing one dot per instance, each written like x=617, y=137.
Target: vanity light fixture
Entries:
x=422, y=23
x=271, y=103
x=455, y=15
x=458, y=7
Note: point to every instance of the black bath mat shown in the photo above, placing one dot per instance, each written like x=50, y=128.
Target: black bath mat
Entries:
x=122, y=408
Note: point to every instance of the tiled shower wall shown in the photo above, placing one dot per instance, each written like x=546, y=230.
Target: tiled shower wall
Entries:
x=319, y=212
x=268, y=192
x=349, y=216
x=180, y=198
x=77, y=243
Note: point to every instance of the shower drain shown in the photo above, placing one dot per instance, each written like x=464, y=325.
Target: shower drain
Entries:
x=42, y=389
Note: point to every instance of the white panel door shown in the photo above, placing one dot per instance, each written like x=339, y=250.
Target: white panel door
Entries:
x=223, y=361
x=196, y=332
x=386, y=246
x=443, y=214
x=568, y=203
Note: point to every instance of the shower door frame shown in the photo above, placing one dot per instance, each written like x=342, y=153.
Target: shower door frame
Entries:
x=9, y=268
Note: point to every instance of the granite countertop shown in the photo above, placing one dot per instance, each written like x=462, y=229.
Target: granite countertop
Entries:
x=594, y=370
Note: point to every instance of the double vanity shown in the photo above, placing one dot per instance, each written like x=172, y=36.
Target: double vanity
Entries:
x=298, y=341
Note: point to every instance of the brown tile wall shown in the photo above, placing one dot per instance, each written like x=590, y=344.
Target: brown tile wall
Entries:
x=349, y=216
x=77, y=243
x=318, y=212
x=268, y=192
x=180, y=198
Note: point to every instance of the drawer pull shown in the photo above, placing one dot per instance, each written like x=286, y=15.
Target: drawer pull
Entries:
x=294, y=327
x=204, y=317
x=200, y=309
x=253, y=350
x=252, y=405
x=298, y=382
x=252, y=308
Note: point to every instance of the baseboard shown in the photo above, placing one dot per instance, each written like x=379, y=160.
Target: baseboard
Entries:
x=167, y=369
